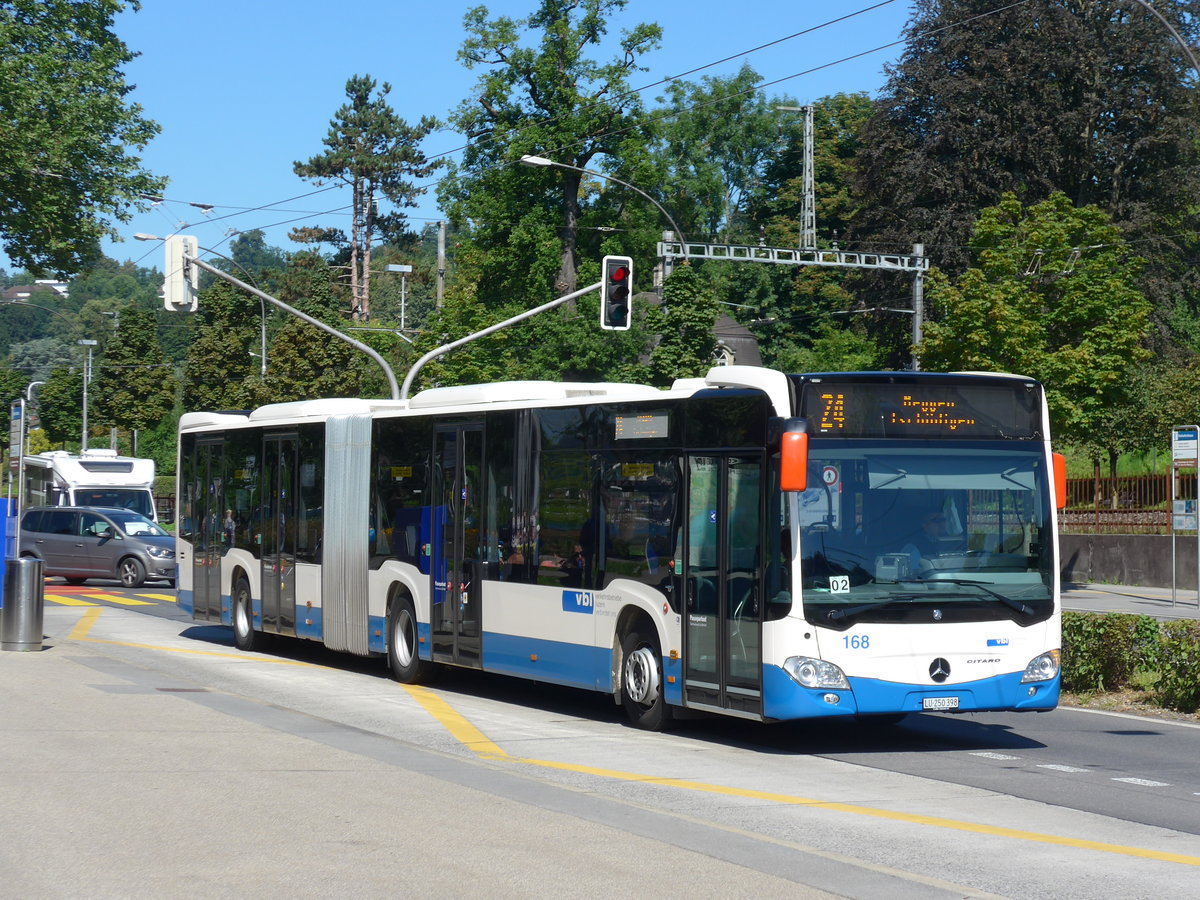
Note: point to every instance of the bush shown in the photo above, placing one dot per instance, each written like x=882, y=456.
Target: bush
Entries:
x=1178, y=686
x=1102, y=651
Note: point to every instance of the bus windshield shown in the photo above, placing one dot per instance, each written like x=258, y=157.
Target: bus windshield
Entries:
x=924, y=531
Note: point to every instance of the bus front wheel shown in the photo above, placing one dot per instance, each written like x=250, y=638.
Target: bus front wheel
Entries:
x=642, y=682
x=404, y=660
x=244, y=635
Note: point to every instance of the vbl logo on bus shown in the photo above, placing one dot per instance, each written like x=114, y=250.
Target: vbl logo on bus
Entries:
x=579, y=601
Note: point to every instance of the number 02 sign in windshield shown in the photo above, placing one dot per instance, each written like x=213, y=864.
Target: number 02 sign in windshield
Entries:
x=922, y=410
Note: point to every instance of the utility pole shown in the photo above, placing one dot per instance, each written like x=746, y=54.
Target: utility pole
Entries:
x=808, y=189
x=918, y=304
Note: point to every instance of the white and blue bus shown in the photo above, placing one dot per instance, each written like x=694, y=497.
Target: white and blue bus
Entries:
x=749, y=543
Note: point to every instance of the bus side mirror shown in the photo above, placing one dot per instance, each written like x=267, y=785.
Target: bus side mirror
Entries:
x=793, y=462
x=1060, y=480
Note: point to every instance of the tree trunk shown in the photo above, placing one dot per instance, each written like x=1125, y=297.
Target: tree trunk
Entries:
x=567, y=272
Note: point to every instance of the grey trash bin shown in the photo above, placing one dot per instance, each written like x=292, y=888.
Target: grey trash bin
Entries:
x=24, y=603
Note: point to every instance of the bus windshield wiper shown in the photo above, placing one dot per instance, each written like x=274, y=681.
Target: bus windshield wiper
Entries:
x=1007, y=601
x=838, y=614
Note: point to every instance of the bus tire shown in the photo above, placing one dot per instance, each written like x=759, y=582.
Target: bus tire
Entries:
x=404, y=659
x=642, y=681
x=244, y=635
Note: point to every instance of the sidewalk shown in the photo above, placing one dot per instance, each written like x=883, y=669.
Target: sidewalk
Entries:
x=1144, y=601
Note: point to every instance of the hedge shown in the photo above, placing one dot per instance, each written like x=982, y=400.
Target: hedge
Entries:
x=1103, y=652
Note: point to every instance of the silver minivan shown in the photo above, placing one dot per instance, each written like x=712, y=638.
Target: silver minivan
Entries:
x=81, y=542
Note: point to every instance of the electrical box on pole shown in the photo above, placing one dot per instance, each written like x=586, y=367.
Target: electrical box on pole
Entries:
x=616, y=293
x=181, y=279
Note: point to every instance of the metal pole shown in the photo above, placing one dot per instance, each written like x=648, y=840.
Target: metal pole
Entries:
x=542, y=162
x=441, y=272
x=316, y=323
x=454, y=345
x=918, y=307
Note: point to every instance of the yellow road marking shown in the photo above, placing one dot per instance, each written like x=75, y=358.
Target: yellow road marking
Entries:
x=475, y=741
x=466, y=733
x=166, y=598
x=113, y=598
x=67, y=600
x=83, y=628
x=84, y=625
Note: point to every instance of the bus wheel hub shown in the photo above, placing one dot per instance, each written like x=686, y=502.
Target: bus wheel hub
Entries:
x=641, y=676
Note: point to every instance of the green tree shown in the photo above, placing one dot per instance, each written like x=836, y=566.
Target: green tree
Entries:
x=134, y=385
x=547, y=99
x=685, y=322
x=1054, y=296
x=68, y=139
x=12, y=387
x=37, y=358
x=60, y=402
x=376, y=153
x=716, y=140
x=775, y=203
x=306, y=362
x=1092, y=98
x=219, y=372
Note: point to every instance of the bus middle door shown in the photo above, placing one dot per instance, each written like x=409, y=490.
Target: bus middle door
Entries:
x=279, y=524
x=723, y=584
x=458, y=565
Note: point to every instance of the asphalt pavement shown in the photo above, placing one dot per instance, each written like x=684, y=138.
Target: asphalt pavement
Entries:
x=1160, y=603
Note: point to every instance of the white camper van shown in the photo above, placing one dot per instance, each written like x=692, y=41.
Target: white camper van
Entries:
x=95, y=477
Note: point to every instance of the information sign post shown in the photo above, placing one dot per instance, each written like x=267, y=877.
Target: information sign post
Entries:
x=1185, y=441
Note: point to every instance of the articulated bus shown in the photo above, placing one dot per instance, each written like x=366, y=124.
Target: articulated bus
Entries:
x=749, y=543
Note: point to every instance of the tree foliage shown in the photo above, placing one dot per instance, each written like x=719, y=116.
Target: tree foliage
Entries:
x=219, y=372
x=60, y=402
x=549, y=100
x=685, y=322
x=1053, y=296
x=376, y=153
x=134, y=385
x=716, y=137
x=68, y=139
x=1091, y=98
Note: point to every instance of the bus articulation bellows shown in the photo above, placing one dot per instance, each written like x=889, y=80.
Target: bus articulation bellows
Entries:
x=749, y=543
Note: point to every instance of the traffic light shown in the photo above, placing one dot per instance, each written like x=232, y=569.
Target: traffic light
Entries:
x=616, y=293
x=181, y=280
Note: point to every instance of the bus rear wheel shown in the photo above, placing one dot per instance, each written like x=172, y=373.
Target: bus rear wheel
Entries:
x=244, y=635
x=642, y=682
x=404, y=659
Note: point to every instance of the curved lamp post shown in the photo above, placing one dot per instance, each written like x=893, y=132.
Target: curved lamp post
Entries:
x=542, y=162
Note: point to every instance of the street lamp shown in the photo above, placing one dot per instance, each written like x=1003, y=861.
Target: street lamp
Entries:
x=87, y=376
x=542, y=162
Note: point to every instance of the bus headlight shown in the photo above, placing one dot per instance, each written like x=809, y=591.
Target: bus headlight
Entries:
x=815, y=673
x=1042, y=668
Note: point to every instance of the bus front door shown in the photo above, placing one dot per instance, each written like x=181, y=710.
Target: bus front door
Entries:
x=279, y=527
x=458, y=563
x=723, y=595
x=204, y=529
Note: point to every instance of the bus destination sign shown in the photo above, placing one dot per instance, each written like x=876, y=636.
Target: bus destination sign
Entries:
x=924, y=409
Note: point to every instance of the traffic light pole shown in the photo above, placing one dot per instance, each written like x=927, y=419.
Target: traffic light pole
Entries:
x=454, y=345
x=316, y=323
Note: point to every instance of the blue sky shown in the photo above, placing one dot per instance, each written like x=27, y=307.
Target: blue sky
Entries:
x=243, y=89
